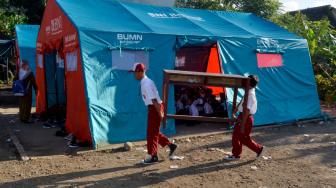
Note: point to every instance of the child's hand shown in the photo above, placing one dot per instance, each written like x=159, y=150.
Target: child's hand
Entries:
x=234, y=116
x=161, y=115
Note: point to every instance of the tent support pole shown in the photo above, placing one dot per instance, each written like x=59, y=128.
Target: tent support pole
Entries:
x=7, y=70
x=165, y=98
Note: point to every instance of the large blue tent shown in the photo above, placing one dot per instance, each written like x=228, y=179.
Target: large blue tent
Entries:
x=111, y=31
x=26, y=37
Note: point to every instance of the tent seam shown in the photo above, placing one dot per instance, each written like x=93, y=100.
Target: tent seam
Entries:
x=124, y=6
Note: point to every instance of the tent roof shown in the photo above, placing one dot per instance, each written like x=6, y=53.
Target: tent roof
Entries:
x=115, y=16
x=6, y=47
x=26, y=35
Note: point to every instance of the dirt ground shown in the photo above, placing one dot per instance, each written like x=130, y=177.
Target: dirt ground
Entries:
x=295, y=156
x=7, y=150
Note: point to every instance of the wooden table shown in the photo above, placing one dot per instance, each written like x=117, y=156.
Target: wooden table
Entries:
x=189, y=78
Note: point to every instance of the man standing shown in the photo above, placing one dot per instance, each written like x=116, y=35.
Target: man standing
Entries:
x=151, y=98
x=243, y=127
x=28, y=79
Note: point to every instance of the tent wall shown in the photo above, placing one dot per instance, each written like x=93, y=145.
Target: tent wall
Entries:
x=58, y=33
x=26, y=37
x=117, y=112
x=285, y=93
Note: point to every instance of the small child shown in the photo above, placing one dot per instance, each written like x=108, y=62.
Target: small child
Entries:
x=243, y=128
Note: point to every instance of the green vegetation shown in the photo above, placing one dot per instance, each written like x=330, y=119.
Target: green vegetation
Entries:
x=8, y=22
x=263, y=8
x=14, y=12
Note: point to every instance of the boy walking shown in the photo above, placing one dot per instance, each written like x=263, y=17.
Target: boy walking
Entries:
x=152, y=100
x=243, y=128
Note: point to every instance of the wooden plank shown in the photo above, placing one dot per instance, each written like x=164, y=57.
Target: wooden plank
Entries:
x=221, y=82
x=234, y=102
x=191, y=73
x=207, y=80
x=165, y=98
x=228, y=82
x=198, y=118
x=192, y=79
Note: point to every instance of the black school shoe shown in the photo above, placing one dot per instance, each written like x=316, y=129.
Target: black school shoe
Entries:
x=73, y=143
x=261, y=151
x=27, y=121
x=150, y=160
x=172, y=148
x=232, y=158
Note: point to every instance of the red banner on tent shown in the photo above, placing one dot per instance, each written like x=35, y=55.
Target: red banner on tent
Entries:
x=269, y=60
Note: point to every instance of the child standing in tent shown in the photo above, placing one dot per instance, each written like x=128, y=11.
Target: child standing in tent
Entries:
x=28, y=79
x=151, y=98
x=243, y=128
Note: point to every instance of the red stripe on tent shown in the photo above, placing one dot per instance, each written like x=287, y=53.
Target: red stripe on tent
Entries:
x=58, y=33
x=40, y=81
x=77, y=113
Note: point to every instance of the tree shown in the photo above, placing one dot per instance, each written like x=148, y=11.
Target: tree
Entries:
x=33, y=9
x=14, y=12
x=8, y=22
x=263, y=8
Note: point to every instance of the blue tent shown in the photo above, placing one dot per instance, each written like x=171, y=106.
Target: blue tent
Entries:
x=26, y=37
x=113, y=35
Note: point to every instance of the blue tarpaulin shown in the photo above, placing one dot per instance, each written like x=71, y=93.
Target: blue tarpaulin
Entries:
x=116, y=111
x=26, y=37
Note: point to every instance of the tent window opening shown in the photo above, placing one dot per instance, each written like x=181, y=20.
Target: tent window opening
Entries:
x=125, y=59
x=199, y=100
x=71, y=61
x=269, y=60
x=55, y=84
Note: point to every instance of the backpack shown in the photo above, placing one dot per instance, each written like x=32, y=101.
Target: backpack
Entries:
x=19, y=88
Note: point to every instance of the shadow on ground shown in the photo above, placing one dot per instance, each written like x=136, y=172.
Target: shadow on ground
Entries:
x=36, y=140
x=146, y=177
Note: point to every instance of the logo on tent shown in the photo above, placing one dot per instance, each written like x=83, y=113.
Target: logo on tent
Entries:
x=174, y=16
x=70, y=40
x=129, y=38
x=56, y=25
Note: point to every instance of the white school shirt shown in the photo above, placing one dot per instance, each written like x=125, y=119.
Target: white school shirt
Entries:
x=179, y=105
x=193, y=111
x=251, y=103
x=149, y=91
x=208, y=108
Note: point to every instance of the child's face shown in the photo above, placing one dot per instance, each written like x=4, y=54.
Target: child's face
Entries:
x=188, y=101
x=139, y=75
x=25, y=67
